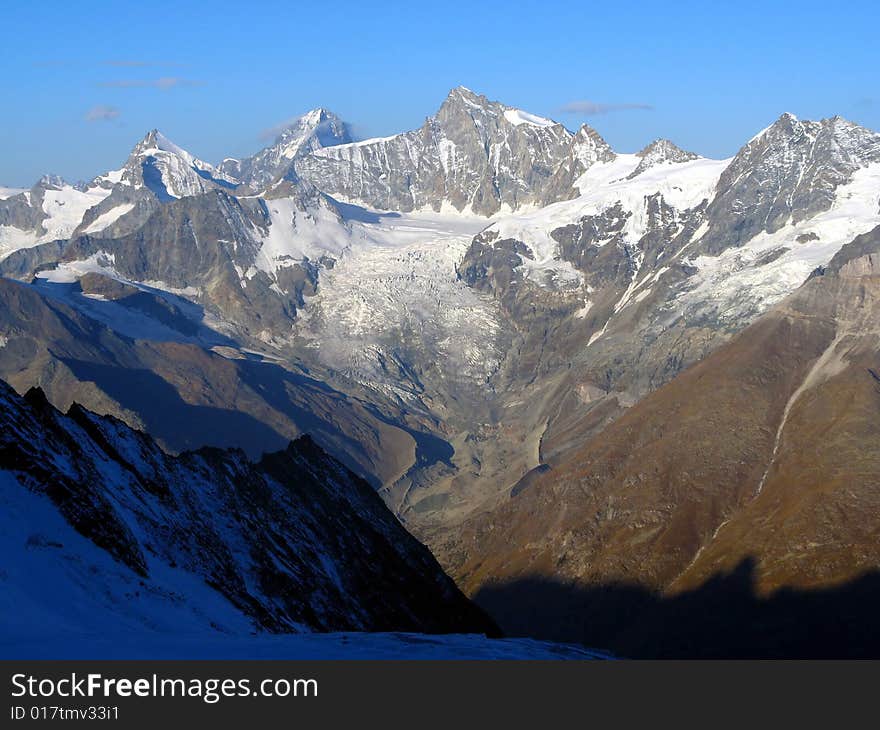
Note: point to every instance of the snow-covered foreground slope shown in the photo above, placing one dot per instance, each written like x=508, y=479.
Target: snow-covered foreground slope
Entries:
x=140, y=542
x=63, y=597
x=46, y=557
x=113, y=550
x=107, y=612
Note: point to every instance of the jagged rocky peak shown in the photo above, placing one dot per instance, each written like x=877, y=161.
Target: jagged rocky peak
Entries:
x=51, y=182
x=465, y=115
x=843, y=140
x=462, y=100
x=589, y=146
x=472, y=154
x=154, y=142
x=788, y=172
x=661, y=151
x=151, y=140
x=312, y=131
x=168, y=171
x=463, y=93
x=463, y=96
x=583, y=150
x=317, y=128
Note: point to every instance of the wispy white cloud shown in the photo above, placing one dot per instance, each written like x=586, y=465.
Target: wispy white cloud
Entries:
x=592, y=108
x=164, y=83
x=80, y=64
x=132, y=63
x=126, y=64
x=102, y=113
x=269, y=134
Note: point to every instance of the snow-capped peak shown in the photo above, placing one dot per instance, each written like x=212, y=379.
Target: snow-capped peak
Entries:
x=589, y=147
x=168, y=170
x=661, y=151
x=786, y=118
x=313, y=130
x=463, y=96
x=663, y=148
x=468, y=138
x=842, y=137
x=154, y=141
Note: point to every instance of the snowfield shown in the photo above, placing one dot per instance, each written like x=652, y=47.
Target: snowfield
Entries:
x=682, y=185
x=64, y=210
x=9, y=192
x=399, y=281
x=741, y=281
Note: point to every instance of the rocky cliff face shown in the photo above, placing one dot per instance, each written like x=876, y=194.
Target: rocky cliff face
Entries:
x=473, y=154
x=786, y=174
x=313, y=131
x=294, y=542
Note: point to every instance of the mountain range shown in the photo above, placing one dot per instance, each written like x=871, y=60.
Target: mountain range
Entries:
x=551, y=359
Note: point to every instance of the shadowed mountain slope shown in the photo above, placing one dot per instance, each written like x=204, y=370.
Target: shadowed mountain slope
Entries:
x=205, y=541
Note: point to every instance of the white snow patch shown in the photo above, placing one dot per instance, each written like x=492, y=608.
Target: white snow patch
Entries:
x=518, y=116
x=64, y=211
x=52, y=559
x=295, y=234
x=333, y=150
x=682, y=185
x=66, y=208
x=111, y=216
x=112, y=178
x=10, y=192
x=69, y=272
x=13, y=239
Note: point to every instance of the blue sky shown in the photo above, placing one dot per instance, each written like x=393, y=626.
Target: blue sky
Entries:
x=84, y=81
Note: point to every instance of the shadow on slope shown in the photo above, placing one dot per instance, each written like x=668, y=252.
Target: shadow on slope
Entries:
x=724, y=618
x=358, y=213
x=181, y=425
